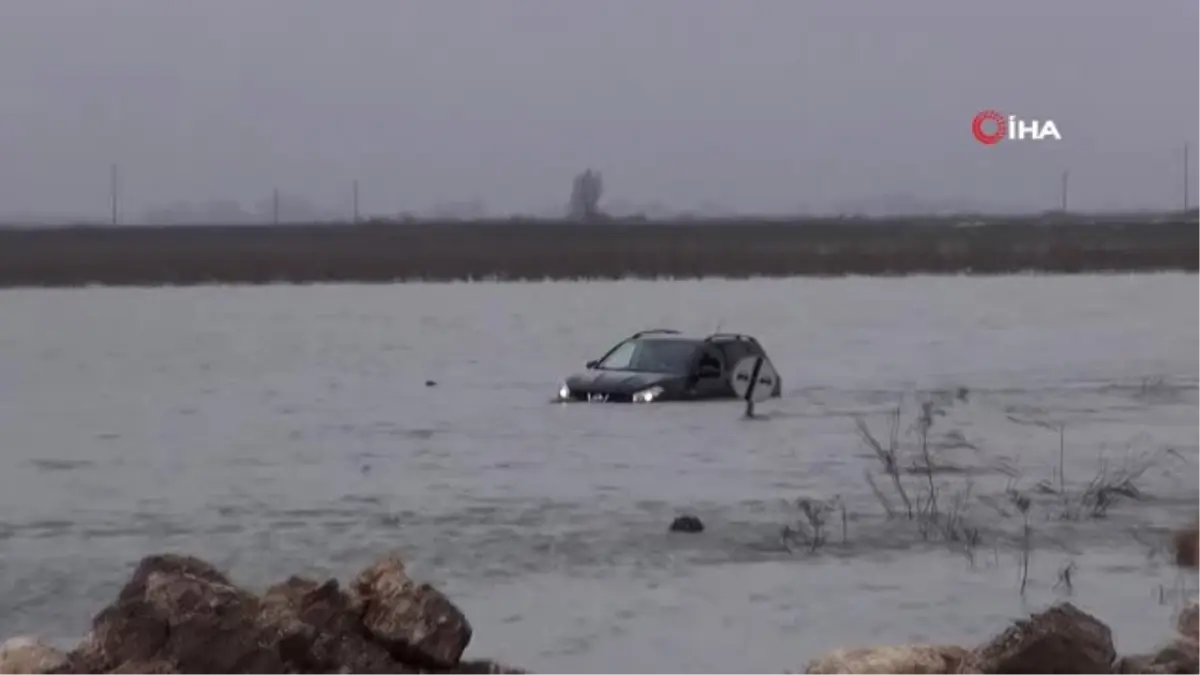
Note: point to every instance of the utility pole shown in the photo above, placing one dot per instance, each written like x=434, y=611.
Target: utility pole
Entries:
x=355, y=187
x=1065, y=176
x=114, y=192
x=275, y=206
x=1187, y=181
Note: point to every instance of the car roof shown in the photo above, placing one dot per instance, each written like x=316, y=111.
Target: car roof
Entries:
x=669, y=334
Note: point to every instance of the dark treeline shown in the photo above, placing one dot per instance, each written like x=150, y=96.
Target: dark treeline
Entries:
x=526, y=249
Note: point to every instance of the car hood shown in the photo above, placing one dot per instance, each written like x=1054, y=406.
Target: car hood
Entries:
x=615, y=381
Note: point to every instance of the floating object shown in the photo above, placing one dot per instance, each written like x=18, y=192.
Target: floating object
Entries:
x=689, y=524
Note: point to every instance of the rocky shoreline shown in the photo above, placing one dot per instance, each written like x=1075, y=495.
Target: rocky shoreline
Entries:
x=179, y=614
x=1061, y=639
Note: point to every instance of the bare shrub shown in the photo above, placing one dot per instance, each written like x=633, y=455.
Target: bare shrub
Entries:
x=915, y=489
x=811, y=532
x=1106, y=488
x=936, y=517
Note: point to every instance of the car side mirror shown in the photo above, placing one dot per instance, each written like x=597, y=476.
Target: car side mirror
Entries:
x=708, y=372
x=590, y=364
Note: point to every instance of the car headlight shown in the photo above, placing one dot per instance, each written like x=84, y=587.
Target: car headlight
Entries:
x=564, y=393
x=647, y=395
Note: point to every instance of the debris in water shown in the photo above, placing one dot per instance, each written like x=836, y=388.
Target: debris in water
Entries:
x=689, y=524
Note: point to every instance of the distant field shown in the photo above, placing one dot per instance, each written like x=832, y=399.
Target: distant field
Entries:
x=526, y=249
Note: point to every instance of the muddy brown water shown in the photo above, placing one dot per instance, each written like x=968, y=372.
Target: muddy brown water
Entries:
x=278, y=430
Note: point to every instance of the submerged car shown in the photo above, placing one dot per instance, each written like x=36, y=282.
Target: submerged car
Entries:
x=664, y=365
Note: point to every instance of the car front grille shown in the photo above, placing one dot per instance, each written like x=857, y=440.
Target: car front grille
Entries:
x=600, y=397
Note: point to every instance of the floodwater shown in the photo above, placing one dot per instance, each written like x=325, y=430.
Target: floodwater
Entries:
x=289, y=429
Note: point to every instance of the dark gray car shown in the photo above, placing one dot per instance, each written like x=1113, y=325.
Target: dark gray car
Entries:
x=663, y=365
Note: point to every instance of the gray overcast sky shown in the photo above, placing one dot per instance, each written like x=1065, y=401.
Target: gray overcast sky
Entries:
x=764, y=105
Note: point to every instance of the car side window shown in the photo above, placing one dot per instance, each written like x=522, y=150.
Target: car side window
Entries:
x=710, y=358
x=736, y=350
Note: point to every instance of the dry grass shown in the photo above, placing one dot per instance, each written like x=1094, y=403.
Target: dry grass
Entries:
x=523, y=249
x=935, y=496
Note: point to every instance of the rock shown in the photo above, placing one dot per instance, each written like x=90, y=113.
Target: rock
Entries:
x=129, y=633
x=890, y=659
x=1134, y=664
x=1062, y=639
x=146, y=668
x=1180, y=656
x=180, y=612
x=330, y=635
x=30, y=655
x=1188, y=622
x=486, y=667
x=690, y=524
x=1187, y=546
x=416, y=623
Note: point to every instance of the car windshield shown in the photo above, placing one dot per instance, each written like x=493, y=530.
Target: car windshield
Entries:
x=652, y=356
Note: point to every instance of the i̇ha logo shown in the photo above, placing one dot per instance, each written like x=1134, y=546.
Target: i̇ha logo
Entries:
x=990, y=127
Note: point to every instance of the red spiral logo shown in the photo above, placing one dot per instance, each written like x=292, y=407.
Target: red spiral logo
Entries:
x=989, y=137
